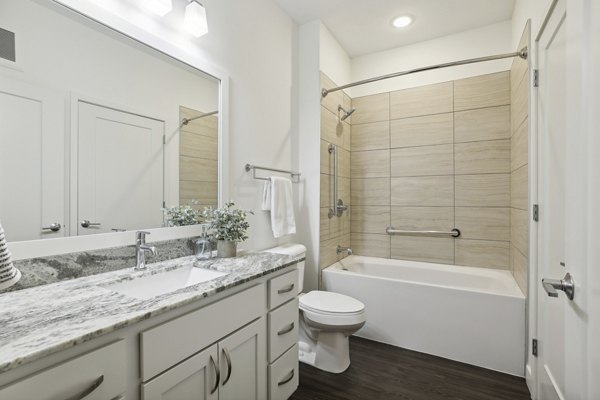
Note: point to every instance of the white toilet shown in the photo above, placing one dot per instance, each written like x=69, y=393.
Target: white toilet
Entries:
x=327, y=320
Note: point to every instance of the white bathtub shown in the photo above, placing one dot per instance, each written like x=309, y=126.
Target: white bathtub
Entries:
x=473, y=315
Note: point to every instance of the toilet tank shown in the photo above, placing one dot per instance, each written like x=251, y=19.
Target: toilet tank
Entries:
x=294, y=250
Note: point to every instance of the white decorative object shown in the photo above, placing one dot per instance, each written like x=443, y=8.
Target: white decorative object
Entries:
x=9, y=275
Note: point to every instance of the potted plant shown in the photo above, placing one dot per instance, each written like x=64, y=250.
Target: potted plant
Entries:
x=228, y=225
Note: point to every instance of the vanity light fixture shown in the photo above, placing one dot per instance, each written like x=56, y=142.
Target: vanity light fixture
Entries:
x=195, y=18
x=159, y=7
x=402, y=21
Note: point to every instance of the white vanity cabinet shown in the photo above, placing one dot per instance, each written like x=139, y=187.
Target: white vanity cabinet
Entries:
x=283, y=335
x=97, y=375
x=239, y=344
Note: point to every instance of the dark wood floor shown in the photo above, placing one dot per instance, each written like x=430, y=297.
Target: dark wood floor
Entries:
x=380, y=371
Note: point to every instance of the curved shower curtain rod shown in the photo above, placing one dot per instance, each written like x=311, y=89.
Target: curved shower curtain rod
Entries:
x=521, y=53
x=186, y=121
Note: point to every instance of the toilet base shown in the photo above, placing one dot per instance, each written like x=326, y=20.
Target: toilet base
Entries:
x=329, y=352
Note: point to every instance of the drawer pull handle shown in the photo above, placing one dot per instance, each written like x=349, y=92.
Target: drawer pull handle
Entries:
x=228, y=359
x=218, y=372
x=286, y=290
x=286, y=330
x=89, y=390
x=286, y=380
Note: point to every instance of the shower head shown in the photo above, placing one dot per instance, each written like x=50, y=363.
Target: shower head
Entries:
x=346, y=113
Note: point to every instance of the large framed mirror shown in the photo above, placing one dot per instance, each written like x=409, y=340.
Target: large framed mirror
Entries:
x=100, y=133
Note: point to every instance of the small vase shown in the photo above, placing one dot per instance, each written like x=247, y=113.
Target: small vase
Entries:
x=226, y=249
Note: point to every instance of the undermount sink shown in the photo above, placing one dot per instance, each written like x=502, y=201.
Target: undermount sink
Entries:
x=150, y=286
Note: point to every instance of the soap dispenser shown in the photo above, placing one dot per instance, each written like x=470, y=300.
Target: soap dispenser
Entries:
x=203, y=246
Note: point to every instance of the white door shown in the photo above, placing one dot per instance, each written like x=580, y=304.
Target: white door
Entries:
x=197, y=378
x=120, y=170
x=243, y=360
x=569, y=194
x=32, y=161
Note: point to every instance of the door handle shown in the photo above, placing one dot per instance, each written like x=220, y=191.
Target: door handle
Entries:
x=566, y=284
x=86, y=223
x=54, y=227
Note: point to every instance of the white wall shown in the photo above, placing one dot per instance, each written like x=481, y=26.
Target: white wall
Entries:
x=309, y=137
x=333, y=59
x=255, y=42
x=489, y=40
x=535, y=10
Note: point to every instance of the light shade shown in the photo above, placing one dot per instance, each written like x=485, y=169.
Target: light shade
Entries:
x=402, y=21
x=195, y=19
x=159, y=7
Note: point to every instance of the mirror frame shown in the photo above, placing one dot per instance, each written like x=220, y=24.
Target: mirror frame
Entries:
x=92, y=16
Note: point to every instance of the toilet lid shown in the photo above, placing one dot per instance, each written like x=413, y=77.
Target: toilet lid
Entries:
x=329, y=302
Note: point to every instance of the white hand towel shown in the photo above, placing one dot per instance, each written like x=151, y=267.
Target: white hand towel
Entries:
x=282, y=207
x=266, y=199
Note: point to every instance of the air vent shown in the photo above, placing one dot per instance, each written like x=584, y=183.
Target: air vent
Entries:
x=7, y=45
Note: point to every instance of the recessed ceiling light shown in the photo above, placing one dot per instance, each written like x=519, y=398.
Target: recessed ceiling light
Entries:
x=402, y=21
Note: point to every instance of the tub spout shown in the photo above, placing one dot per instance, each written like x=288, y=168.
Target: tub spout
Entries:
x=341, y=249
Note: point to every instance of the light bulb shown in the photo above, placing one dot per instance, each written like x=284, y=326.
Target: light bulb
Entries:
x=195, y=19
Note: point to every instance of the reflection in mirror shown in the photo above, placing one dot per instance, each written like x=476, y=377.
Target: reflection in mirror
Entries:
x=99, y=133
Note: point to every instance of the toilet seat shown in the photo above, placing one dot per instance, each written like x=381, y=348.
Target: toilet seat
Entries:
x=333, y=309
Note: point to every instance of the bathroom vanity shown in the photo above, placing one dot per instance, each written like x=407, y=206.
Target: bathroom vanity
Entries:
x=234, y=336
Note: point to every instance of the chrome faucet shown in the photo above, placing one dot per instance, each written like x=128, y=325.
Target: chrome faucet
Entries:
x=341, y=249
x=141, y=248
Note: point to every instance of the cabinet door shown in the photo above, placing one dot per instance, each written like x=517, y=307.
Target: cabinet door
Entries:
x=243, y=361
x=194, y=379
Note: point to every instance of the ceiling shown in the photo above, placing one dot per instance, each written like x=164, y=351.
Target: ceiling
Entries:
x=364, y=26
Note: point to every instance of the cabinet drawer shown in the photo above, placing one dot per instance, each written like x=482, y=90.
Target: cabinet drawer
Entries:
x=174, y=341
x=283, y=288
x=283, y=375
x=283, y=329
x=98, y=375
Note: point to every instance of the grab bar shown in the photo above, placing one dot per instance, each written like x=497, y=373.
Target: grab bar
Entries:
x=338, y=204
x=390, y=230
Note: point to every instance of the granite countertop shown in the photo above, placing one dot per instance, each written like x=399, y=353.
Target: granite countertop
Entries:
x=45, y=319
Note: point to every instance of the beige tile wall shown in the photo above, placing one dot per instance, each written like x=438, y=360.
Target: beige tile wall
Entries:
x=435, y=157
x=519, y=167
x=198, y=154
x=336, y=231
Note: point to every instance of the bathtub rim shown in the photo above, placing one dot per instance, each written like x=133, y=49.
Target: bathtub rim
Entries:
x=337, y=268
